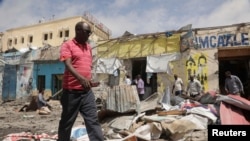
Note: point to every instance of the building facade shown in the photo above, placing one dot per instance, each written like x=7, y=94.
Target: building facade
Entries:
x=30, y=55
x=51, y=33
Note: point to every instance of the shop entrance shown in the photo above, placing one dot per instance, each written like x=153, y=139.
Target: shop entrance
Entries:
x=238, y=62
x=150, y=79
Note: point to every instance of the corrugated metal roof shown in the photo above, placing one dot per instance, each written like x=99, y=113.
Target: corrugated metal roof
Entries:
x=49, y=54
x=122, y=98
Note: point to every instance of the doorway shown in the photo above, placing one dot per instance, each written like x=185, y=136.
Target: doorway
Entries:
x=56, y=84
x=239, y=68
x=150, y=79
x=238, y=62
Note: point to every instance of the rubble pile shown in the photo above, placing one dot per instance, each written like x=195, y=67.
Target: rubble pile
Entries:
x=161, y=117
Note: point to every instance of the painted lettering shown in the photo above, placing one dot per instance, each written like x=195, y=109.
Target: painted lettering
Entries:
x=204, y=43
x=220, y=41
x=244, y=39
x=226, y=40
x=212, y=39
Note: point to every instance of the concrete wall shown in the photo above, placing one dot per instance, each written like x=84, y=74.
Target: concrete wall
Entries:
x=37, y=32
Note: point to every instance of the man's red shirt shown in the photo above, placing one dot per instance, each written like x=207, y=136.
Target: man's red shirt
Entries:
x=81, y=56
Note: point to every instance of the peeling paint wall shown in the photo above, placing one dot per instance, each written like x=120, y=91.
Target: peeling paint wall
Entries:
x=24, y=81
x=203, y=64
x=139, y=47
x=205, y=68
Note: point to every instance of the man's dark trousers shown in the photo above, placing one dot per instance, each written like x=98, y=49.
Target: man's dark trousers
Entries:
x=84, y=102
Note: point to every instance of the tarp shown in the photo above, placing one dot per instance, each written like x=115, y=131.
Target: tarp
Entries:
x=235, y=100
x=160, y=63
x=234, y=109
x=107, y=65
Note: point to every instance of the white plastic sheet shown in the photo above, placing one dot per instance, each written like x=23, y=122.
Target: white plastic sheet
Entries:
x=107, y=65
x=160, y=63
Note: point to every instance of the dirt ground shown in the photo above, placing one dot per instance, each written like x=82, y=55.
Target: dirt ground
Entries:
x=13, y=121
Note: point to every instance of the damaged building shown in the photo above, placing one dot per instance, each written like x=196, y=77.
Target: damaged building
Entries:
x=204, y=52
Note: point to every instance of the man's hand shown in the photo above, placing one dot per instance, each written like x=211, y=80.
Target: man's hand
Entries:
x=85, y=83
x=95, y=84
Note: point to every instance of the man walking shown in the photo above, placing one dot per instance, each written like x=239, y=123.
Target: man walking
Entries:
x=77, y=94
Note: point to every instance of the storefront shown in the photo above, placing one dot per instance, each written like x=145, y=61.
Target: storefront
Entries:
x=236, y=60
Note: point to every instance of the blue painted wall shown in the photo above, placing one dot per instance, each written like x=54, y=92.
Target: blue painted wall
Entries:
x=47, y=69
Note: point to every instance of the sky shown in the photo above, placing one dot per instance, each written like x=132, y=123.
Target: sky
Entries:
x=135, y=16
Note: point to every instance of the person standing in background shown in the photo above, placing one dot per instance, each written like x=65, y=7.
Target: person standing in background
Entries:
x=77, y=94
x=178, y=85
x=233, y=84
x=140, y=86
x=194, y=87
x=128, y=80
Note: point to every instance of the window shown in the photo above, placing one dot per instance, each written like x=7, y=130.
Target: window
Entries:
x=45, y=37
x=10, y=42
x=22, y=40
x=40, y=81
x=15, y=41
x=66, y=33
x=60, y=34
x=30, y=39
x=50, y=35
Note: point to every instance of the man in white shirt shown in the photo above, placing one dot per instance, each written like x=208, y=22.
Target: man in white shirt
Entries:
x=178, y=85
x=128, y=80
x=194, y=87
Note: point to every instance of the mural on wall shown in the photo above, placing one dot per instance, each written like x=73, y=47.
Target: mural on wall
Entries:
x=196, y=64
x=187, y=41
x=24, y=80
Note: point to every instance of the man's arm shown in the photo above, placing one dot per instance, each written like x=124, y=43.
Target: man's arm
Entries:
x=226, y=85
x=41, y=99
x=238, y=81
x=173, y=88
x=84, y=82
x=199, y=86
x=188, y=86
x=182, y=86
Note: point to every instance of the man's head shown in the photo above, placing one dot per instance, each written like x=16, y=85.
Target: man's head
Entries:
x=41, y=90
x=228, y=74
x=82, y=32
x=175, y=76
x=138, y=76
x=192, y=77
